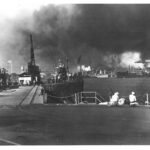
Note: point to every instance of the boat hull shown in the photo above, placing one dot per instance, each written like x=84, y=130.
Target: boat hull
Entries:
x=62, y=92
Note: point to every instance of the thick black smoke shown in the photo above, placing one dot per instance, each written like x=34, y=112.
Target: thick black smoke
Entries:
x=95, y=33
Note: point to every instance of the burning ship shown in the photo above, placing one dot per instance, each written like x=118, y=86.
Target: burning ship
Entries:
x=61, y=88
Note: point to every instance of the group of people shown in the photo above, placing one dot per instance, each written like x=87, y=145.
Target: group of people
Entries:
x=115, y=100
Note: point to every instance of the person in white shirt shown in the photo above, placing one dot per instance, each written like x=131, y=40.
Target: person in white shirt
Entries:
x=132, y=99
x=114, y=99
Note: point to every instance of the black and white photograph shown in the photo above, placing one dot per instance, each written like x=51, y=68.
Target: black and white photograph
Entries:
x=74, y=74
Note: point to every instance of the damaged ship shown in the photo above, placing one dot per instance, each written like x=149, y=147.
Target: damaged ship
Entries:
x=63, y=86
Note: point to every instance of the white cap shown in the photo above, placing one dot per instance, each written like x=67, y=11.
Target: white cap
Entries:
x=117, y=93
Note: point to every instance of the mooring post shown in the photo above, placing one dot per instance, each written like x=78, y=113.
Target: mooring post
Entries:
x=75, y=95
x=81, y=97
x=147, y=98
x=77, y=98
x=95, y=97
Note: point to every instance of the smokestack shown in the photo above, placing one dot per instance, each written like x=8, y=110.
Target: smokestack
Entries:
x=79, y=61
x=32, y=51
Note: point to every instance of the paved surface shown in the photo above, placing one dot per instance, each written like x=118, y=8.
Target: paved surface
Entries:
x=75, y=125
x=38, y=124
x=30, y=97
x=23, y=95
x=15, y=96
x=38, y=98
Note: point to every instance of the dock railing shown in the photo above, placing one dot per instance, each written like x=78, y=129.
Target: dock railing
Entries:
x=89, y=97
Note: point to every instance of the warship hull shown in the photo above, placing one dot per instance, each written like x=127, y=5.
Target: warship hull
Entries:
x=62, y=92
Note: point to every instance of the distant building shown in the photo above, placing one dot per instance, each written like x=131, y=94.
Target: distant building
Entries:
x=9, y=66
x=24, y=79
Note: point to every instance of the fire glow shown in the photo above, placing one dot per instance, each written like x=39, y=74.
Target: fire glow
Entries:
x=131, y=59
x=84, y=68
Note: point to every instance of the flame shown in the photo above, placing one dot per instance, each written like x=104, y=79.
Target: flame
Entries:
x=84, y=68
x=130, y=59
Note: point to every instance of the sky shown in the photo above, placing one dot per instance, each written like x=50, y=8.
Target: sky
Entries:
x=100, y=35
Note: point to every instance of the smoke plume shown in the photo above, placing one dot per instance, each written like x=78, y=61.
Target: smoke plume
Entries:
x=97, y=35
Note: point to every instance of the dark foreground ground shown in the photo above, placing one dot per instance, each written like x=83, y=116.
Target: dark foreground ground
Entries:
x=75, y=125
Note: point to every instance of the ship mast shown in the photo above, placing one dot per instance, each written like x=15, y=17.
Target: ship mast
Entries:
x=67, y=68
